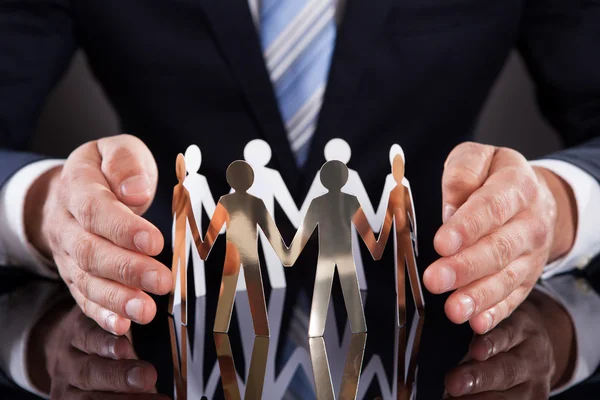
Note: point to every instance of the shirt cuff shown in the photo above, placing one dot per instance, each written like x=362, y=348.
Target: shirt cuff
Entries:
x=582, y=303
x=587, y=197
x=15, y=249
x=23, y=310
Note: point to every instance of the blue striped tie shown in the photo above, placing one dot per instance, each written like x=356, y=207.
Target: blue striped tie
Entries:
x=298, y=37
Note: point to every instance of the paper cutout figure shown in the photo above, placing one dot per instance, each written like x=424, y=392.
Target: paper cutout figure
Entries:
x=179, y=354
x=407, y=350
x=390, y=184
x=269, y=187
x=333, y=214
x=352, y=368
x=400, y=214
x=339, y=149
x=201, y=197
x=243, y=214
x=229, y=377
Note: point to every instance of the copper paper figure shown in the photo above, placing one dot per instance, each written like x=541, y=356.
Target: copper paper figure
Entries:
x=408, y=345
x=333, y=214
x=256, y=373
x=243, y=214
x=352, y=368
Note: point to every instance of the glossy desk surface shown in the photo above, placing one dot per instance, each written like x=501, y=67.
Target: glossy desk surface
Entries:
x=387, y=362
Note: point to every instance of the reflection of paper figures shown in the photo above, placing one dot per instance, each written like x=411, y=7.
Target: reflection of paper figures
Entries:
x=390, y=184
x=200, y=196
x=269, y=187
x=338, y=149
x=333, y=214
x=243, y=214
x=352, y=368
x=256, y=374
x=179, y=354
x=400, y=214
x=405, y=354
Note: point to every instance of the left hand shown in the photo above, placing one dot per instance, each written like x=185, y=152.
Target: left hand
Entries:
x=500, y=217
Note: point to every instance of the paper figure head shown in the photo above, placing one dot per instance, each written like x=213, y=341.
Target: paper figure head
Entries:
x=398, y=168
x=180, y=167
x=338, y=149
x=257, y=152
x=334, y=175
x=395, y=150
x=193, y=159
x=240, y=176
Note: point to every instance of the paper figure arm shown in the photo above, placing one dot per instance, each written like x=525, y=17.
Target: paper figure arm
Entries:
x=375, y=246
x=208, y=202
x=357, y=188
x=305, y=231
x=272, y=233
x=219, y=219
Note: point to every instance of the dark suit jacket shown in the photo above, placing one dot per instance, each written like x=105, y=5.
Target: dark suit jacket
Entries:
x=415, y=72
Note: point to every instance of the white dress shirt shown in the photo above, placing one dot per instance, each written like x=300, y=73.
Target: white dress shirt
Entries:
x=16, y=250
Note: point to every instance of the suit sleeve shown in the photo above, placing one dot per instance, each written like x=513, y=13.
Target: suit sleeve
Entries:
x=560, y=43
x=36, y=46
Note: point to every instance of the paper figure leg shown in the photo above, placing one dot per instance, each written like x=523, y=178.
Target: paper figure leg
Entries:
x=352, y=296
x=274, y=266
x=225, y=302
x=198, y=263
x=258, y=364
x=178, y=269
x=180, y=378
x=320, y=300
x=353, y=366
x=413, y=275
x=256, y=296
x=358, y=261
x=229, y=379
x=401, y=280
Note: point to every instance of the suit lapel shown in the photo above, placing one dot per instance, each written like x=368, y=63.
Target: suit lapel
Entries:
x=236, y=34
x=362, y=23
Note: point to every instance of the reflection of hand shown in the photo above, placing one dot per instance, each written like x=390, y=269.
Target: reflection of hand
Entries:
x=83, y=361
x=87, y=218
x=523, y=358
x=503, y=220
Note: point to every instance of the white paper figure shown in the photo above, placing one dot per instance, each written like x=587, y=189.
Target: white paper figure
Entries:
x=389, y=185
x=269, y=187
x=339, y=149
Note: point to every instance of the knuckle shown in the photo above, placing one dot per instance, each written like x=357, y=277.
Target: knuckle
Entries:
x=119, y=230
x=465, y=267
x=125, y=269
x=470, y=225
x=84, y=249
x=87, y=212
x=84, y=376
x=80, y=280
x=111, y=298
x=460, y=179
x=501, y=247
x=511, y=373
x=497, y=207
x=540, y=230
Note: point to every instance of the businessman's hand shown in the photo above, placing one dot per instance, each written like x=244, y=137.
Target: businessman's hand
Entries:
x=87, y=218
x=503, y=221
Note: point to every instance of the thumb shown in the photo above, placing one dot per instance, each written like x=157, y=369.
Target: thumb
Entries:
x=130, y=170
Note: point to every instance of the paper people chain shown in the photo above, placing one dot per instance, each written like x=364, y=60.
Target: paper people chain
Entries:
x=247, y=215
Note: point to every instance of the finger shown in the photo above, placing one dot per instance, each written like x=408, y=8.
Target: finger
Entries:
x=488, y=256
x=108, y=320
x=130, y=170
x=522, y=391
x=99, y=257
x=126, y=302
x=499, y=373
x=487, y=292
x=99, y=212
x=91, y=372
x=504, y=195
x=487, y=320
x=507, y=335
x=89, y=338
x=465, y=170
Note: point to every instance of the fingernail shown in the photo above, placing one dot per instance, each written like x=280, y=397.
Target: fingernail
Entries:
x=135, y=309
x=489, y=320
x=135, y=378
x=111, y=322
x=467, y=306
x=448, y=212
x=447, y=277
x=139, y=184
x=455, y=240
x=150, y=281
x=468, y=383
x=142, y=242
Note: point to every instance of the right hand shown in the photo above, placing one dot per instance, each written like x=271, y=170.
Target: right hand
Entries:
x=88, y=220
